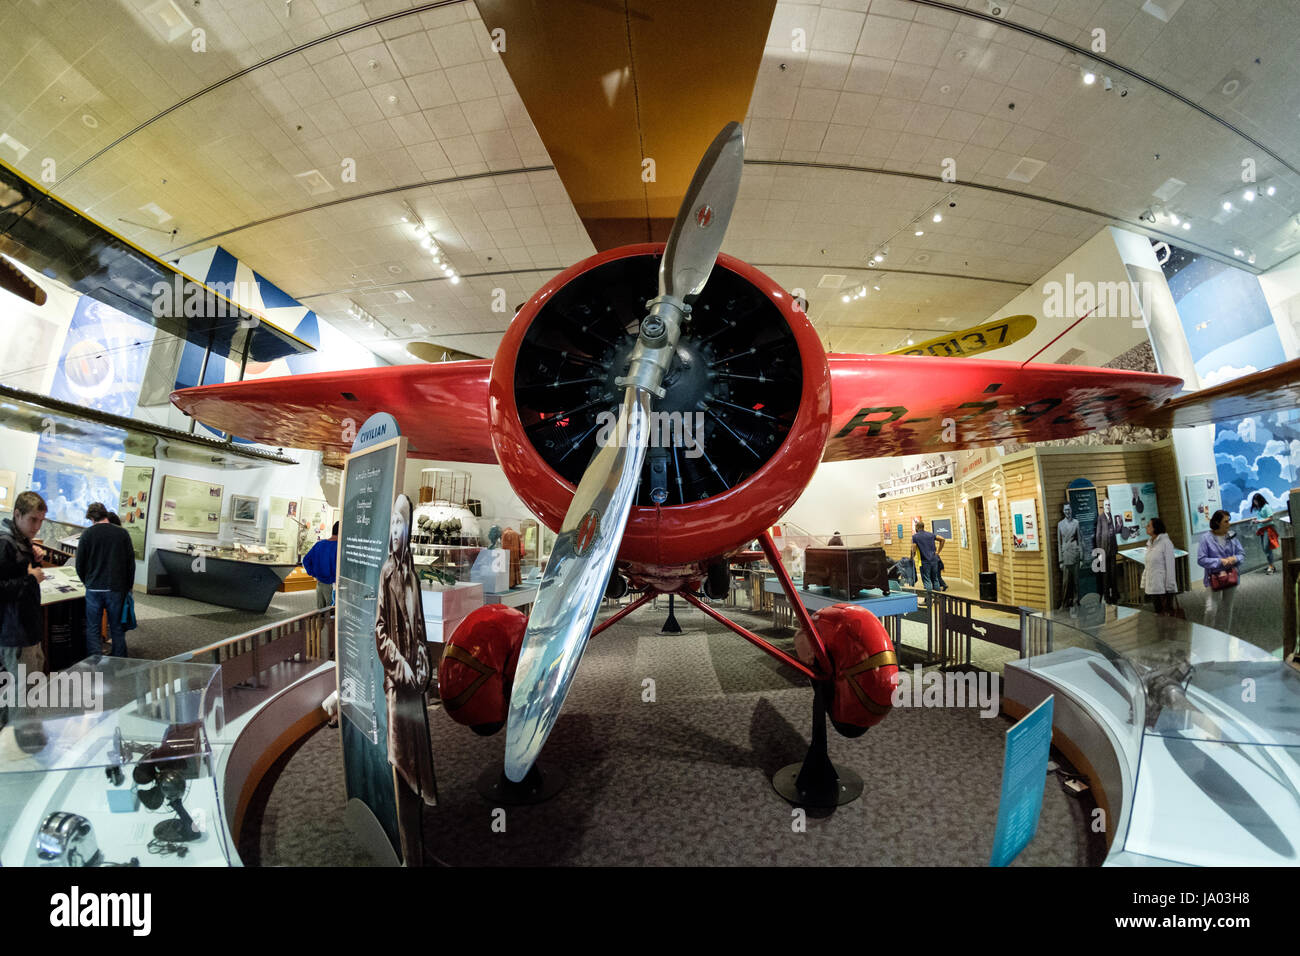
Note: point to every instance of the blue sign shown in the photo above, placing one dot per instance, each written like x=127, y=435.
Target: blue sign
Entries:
x=1024, y=774
x=379, y=427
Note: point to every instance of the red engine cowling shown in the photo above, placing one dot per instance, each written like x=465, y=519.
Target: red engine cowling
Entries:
x=740, y=429
x=477, y=668
x=864, y=665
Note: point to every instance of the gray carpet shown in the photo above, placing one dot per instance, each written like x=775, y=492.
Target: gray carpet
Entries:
x=1256, y=612
x=171, y=625
x=685, y=780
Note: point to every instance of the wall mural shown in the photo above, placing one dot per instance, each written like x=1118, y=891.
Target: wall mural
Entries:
x=1231, y=332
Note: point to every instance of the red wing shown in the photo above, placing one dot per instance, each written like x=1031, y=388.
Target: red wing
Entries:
x=441, y=408
x=884, y=405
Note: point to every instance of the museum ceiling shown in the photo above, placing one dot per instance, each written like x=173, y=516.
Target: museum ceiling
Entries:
x=525, y=159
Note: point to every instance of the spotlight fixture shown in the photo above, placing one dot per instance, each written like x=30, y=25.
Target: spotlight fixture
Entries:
x=877, y=258
x=1227, y=205
x=1089, y=78
x=1186, y=224
x=937, y=217
x=1248, y=195
x=1107, y=84
x=1173, y=219
x=1270, y=191
x=1237, y=252
x=919, y=232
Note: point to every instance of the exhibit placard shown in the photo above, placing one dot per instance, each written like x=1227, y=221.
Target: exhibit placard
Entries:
x=993, y=518
x=1132, y=505
x=316, y=523
x=1024, y=525
x=282, y=529
x=1024, y=774
x=961, y=523
x=1203, y=500
x=1081, y=496
x=369, y=485
x=133, y=508
x=189, y=506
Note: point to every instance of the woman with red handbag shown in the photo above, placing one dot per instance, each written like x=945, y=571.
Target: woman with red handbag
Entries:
x=1266, y=530
x=1220, y=554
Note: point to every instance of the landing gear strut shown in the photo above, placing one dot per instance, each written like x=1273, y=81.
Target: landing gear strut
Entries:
x=816, y=782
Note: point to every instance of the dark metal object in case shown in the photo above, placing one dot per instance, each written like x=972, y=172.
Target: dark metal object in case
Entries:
x=846, y=571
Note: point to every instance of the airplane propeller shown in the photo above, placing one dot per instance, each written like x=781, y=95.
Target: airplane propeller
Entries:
x=584, y=552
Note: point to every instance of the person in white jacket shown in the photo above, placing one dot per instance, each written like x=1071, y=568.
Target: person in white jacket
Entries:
x=1161, y=578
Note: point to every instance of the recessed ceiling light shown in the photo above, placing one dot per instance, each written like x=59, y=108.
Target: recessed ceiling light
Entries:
x=455, y=280
x=1186, y=224
x=919, y=232
x=1089, y=78
x=877, y=258
x=1248, y=195
x=1270, y=191
x=89, y=121
x=844, y=298
x=1227, y=206
x=937, y=217
x=876, y=287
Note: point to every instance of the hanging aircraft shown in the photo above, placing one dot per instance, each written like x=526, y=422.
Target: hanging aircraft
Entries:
x=660, y=406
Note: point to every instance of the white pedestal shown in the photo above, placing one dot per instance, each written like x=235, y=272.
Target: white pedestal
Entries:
x=445, y=606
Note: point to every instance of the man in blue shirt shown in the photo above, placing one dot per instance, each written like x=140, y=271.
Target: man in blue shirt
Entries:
x=925, y=542
x=321, y=562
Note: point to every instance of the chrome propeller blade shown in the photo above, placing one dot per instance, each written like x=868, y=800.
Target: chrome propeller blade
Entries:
x=584, y=553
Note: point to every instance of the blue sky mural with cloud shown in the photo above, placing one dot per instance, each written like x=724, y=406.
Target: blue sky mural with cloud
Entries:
x=1231, y=333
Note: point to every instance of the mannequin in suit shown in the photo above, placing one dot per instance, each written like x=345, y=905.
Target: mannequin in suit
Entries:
x=1068, y=553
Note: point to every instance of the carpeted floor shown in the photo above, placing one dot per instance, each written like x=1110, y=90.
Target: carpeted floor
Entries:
x=685, y=779
x=170, y=625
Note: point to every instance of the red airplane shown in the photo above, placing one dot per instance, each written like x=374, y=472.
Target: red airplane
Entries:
x=707, y=339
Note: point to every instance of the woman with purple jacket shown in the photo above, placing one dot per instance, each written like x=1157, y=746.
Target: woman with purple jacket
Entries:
x=1220, y=551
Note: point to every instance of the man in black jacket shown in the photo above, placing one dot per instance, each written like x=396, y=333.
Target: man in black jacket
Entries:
x=20, y=585
x=106, y=566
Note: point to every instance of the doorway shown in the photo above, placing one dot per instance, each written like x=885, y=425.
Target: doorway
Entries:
x=980, y=551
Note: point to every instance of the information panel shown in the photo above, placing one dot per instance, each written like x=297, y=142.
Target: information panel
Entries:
x=190, y=507
x=133, y=509
x=1024, y=774
x=1024, y=525
x=369, y=486
x=1203, y=500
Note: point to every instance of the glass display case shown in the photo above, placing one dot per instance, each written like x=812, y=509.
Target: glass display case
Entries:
x=110, y=763
x=1202, y=725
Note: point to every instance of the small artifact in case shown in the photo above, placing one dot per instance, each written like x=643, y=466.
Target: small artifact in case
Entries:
x=68, y=839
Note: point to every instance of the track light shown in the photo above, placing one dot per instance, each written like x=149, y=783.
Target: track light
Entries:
x=919, y=232
x=1186, y=224
x=1248, y=195
x=1227, y=205
x=1089, y=78
x=1270, y=191
x=877, y=258
x=937, y=217
x=844, y=298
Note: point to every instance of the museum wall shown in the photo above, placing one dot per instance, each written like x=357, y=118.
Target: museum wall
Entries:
x=842, y=497
x=1107, y=466
x=1094, y=341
